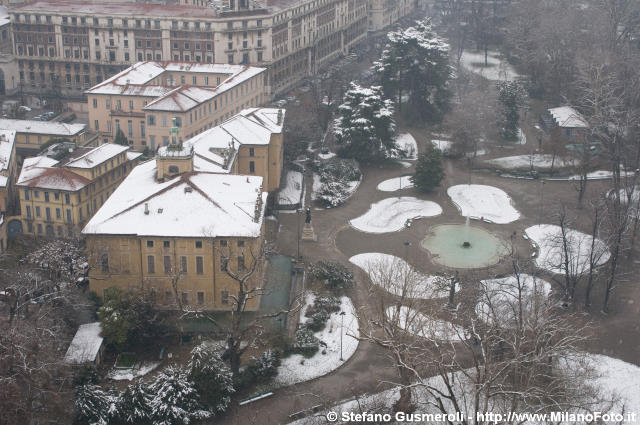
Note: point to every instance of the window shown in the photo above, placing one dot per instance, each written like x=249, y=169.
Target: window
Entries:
x=28, y=211
x=252, y=152
x=149, y=244
x=224, y=262
x=95, y=103
x=105, y=263
x=224, y=298
x=252, y=167
x=37, y=211
x=151, y=264
x=185, y=298
x=167, y=264
x=151, y=120
x=183, y=264
x=68, y=216
x=223, y=243
x=198, y=244
x=46, y=197
x=241, y=266
x=166, y=244
x=199, y=265
x=200, y=298
x=26, y=194
x=58, y=214
x=67, y=198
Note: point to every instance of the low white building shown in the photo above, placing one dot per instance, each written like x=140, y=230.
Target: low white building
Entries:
x=87, y=345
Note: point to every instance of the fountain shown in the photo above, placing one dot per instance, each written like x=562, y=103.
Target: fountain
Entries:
x=464, y=246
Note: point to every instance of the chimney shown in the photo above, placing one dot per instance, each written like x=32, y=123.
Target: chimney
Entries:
x=146, y=208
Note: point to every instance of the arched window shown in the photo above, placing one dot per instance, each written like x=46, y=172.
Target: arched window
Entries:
x=173, y=169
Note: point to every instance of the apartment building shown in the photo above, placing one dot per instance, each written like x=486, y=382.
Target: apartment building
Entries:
x=57, y=197
x=75, y=45
x=7, y=177
x=31, y=135
x=178, y=238
x=383, y=13
x=145, y=100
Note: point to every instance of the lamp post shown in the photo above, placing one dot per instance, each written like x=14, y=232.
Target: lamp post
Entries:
x=406, y=250
x=298, y=241
x=342, y=313
x=541, y=201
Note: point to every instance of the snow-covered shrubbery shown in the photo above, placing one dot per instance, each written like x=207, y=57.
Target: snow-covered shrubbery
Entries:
x=335, y=274
x=211, y=376
x=338, y=178
x=305, y=342
x=265, y=366
x=326, y=302
x=319, y=312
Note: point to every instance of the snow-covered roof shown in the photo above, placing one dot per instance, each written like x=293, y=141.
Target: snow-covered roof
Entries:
x=85, y=344
x=7, y=139
x=196, y=204
x=3, y=181
x=136, y=81
x=42, y=127
x=51, y=178
x=132, y=156
x=96, y=156
x=4, y=16
x=123, y=8
x=566, y=116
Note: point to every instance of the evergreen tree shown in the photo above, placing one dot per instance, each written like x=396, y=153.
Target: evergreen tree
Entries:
x=212, y=377
x=366, y=127
x=512, y=96
x=121, y=139
x=175, y=398
x=416, y=62
x=132, y=406
x=93, y=405
x=429, y=171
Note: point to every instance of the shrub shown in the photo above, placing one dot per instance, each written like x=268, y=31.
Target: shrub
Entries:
x=318, y=320
x=429, y=171
x=326, y=302
x=305, y=342
x=265, y=366
x=336, y=275
x=335, y=176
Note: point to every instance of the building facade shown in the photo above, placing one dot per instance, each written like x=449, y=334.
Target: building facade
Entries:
x=57, y=198
x=145, y=100
x=7, y=179
x=70, y=45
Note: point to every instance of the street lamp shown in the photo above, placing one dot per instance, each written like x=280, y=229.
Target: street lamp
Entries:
x=541, y=201
x=342, y=313
x=298, y=211
x=406, y=250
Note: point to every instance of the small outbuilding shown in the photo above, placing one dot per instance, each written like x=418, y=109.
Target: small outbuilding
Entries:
x=87, y=345
x=567, y=122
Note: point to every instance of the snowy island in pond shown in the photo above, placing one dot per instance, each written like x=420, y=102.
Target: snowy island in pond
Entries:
x=496, y=68
x=399, y=278
x=392, y=214
x=500, y=297
x=528, y=162
x=416, y=323
x=408, y=144
x=396, y=183
x=551, y=255
x=297, y=368
x=483, y=202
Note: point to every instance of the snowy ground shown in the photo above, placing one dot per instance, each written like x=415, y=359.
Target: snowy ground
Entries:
x=499, y=296
x=392, y=272
x=296, y=368
x=526, y=162
x=404, y=164
x=407, y=143
x=614, y=378
x=128, y=374
x=391, y=214
x=498, y=68
x=551, y=256
x=292, y=192
x=326, y=156
x=594, y=175
x=396, y=183
x=483, y=202
x=425, y=326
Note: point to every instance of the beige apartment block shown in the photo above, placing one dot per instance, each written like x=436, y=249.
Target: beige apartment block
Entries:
x=7, y=177
x=147, y=99
x=74, y=45
x=57, y=198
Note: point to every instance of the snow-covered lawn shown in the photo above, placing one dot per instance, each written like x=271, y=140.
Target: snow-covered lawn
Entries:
x=443, y=145
x=618, y=378
x=392, y=272
x=292, y=192
x=483, y=202
x=551, y=255
x=526, y=162
x=297, y=368
x=396, y=183
x=594, y=175
x=391, y=214
x=404, y=164
x=416, y=323
x=128, y=374
x=497, y=69
x=499, y=296
x=407, y=143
